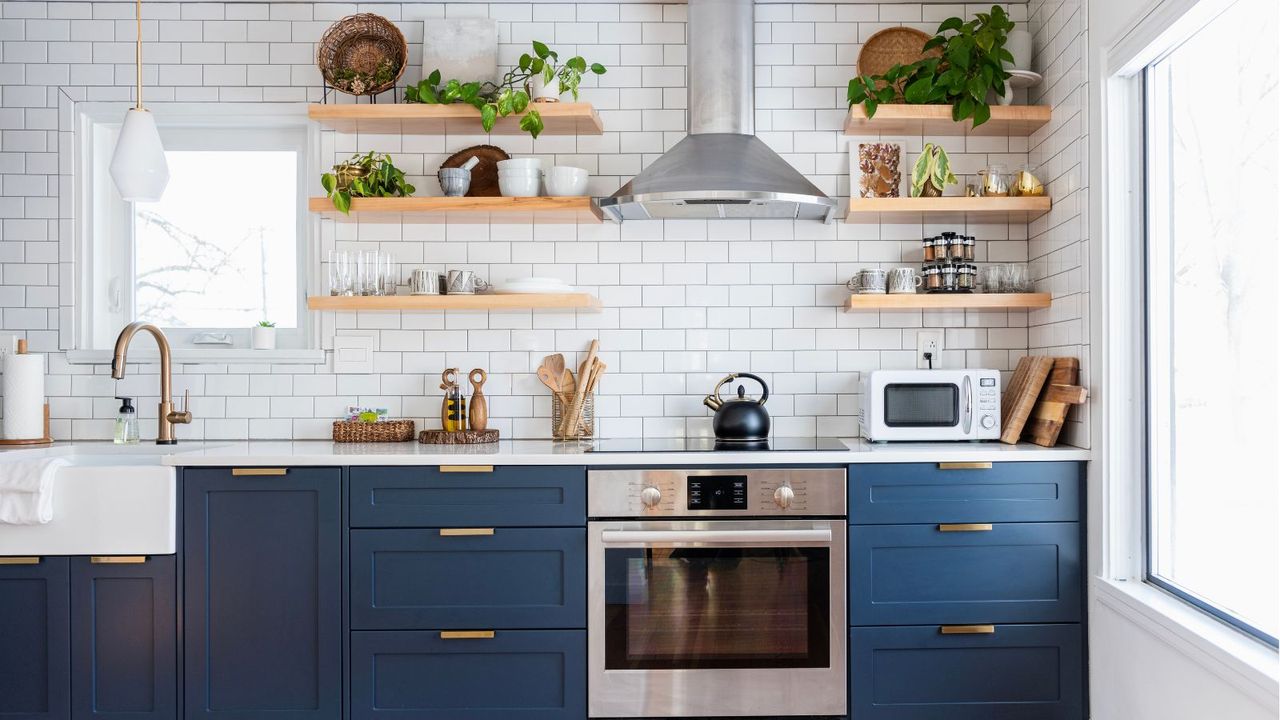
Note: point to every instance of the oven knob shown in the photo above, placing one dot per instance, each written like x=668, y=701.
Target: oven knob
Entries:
x=988, y=422
x=650, y=496
x=783, y=496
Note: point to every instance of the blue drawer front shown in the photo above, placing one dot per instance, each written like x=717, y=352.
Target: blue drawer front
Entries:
x=526, y=674
x=1020, y=672
x=514, y=578
x=430, y=497
x=927, y=493
x=35, y=654
x=915, y=574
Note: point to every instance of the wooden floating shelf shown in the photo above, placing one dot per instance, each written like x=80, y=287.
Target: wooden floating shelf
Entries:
x=949, y=301
x=947, y=209
x=1006, y=120
x=455, y=119
x=557, y=301
x=482, y=209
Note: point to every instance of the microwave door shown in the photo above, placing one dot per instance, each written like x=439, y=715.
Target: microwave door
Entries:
x=966, y=407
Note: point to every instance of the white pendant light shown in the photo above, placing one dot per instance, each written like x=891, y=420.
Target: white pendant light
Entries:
x=138, y=166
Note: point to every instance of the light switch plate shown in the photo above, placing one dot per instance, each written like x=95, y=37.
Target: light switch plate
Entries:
x=353, y=354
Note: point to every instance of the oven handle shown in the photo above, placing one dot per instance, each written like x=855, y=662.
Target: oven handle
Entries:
x=722, y=537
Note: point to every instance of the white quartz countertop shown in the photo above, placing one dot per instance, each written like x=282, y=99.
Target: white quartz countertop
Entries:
x=538, y=452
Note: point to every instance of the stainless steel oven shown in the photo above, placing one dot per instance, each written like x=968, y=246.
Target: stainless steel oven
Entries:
x=716, y=592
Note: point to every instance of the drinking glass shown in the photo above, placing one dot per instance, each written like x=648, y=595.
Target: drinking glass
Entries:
x=1019, y=278
x=340, y=280
x=387, y=273
x=367, y=272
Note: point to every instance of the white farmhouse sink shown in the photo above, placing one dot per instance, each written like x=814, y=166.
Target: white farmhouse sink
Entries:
x=107, y=502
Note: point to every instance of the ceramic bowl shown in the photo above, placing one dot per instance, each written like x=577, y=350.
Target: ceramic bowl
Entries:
x=520, y=163
x=565, y=181
x=519, y=186
x=520, y=173
x=454, y=181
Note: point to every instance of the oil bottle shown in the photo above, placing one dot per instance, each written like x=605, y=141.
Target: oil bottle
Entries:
x=453, y=410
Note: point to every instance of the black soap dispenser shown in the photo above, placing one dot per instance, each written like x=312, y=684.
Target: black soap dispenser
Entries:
x=126, y=432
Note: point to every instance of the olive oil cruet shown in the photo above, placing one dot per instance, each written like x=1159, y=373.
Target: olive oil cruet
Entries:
x=453, y=410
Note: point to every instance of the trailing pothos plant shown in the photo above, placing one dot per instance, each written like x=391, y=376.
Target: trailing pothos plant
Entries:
x=369, y=175
x=971, y=64
x=510, y=96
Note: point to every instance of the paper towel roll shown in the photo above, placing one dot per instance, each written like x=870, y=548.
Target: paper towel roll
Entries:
x=23, y=397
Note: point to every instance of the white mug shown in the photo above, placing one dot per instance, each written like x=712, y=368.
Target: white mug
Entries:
x=868, y=282
x=904, y=280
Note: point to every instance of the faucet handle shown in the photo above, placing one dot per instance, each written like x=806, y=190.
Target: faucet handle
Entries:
x=182, y=417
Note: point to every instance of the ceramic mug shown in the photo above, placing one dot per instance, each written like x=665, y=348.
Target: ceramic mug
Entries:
x=424, y=282
x=904, y=280
x=465, y=282
x=868, y=282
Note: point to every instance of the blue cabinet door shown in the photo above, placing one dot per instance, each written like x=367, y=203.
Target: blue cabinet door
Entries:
x=1017, y=672
x=448, y=496
x=917, y=574
x=262, y=617
x=124, y=645
x=525, y=674
x=35, y=654
x=902, y=493
x=492, y=578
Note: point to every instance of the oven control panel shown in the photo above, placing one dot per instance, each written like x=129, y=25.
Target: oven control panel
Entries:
x=693, y=493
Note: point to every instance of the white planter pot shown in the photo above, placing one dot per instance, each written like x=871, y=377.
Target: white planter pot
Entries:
x=540, y=91
x=264, y=338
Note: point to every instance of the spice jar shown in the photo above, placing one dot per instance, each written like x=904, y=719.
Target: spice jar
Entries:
x=932, y=278
x=970, y=242
x=955, y=247
x=949, y=277
x=929, y=245
x=965, y=277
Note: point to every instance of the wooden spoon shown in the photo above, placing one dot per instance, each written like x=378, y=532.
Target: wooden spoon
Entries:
x=575, y=410
x=551, y=381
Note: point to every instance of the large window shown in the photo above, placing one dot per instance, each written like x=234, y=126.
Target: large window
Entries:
x=1212, y=109
x=222, y=250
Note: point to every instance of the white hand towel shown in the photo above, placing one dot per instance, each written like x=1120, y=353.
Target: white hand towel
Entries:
x=26, y=490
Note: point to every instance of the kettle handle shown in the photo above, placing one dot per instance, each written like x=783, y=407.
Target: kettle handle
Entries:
x=734, y=376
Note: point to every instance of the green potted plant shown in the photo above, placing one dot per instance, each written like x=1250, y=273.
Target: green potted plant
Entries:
x=932, y=172
x=969, y=69
x=548, y=80
x=369, y=175
x=264, y=336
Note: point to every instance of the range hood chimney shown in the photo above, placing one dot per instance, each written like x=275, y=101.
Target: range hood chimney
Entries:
x=721, y=169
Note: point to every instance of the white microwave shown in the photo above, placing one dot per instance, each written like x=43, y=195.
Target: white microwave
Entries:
x=930, y=405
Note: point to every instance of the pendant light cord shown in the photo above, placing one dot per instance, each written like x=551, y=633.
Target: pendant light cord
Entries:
x=138, y=52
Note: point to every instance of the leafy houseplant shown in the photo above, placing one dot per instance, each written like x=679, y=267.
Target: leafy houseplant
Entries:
x=932, y=172
x=368, y=175
x=510, y=96
x=971, y=65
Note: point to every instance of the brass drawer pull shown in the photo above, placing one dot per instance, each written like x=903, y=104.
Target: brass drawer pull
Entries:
x=964, y=466
x=466, y=634
x=465, y=532
x=964, y=527
x=259, y=472
x=19, y=561
x=967, y=629
x=466, y=468
x=118, y=559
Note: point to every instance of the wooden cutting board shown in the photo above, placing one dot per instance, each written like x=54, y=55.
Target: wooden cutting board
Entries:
x=1019, y=398
x=459, y=437
x=1061, y=391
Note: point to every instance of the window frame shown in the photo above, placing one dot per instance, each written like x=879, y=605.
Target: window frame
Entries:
x=1151, y=223
x=97, y=125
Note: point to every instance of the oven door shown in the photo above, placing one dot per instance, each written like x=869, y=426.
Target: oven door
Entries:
x=716, y=618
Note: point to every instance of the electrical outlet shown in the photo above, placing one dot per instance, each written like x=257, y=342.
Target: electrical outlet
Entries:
x=928, y=341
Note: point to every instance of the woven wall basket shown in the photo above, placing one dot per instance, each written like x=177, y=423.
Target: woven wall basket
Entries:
x=893, y=46
x=360, y=44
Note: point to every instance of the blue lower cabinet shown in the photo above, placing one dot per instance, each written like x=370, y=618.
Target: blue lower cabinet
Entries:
x=469, y=577
x=35, y=654
x=964, y=492
x=124, y=646
x=985, y=573
x=1017, y=672
x=525, y=674
x=468, y=496
x=262, y=599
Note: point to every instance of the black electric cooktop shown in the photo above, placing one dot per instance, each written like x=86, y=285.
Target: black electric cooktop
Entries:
x=631, y=445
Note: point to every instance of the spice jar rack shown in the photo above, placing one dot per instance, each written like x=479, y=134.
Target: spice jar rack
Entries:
x=949, y=263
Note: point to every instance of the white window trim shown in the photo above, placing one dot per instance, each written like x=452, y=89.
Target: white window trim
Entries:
x=89, y=115
x=1118, y=475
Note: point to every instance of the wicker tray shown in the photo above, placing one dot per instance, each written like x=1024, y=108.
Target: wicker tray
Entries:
x=385, y=431
x=458, y=437
x=893, y=46
x=360, y=44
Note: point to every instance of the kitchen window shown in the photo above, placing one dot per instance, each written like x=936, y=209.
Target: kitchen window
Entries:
x=224, y=248
x=1211, y=107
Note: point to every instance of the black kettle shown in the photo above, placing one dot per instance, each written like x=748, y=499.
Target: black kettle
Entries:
x=739, y=419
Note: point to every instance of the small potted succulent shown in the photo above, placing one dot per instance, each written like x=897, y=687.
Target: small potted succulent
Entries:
x=264, y=336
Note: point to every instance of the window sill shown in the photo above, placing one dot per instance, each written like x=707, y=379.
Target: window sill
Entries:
x=1238, y=659
x=200, y=355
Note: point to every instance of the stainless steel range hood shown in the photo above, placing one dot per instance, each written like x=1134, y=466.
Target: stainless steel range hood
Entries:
x=721, y=170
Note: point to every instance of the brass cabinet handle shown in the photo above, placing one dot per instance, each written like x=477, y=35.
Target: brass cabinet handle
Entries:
x=259, y=472
x=465, y=532
x=466, y=634
x=967, y=629
x=19, y=561
x=964, y=527
x=118, y=559
x=466, y=468
x=964, y=466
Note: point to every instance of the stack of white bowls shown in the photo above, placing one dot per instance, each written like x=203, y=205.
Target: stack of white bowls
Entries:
x=565, y=181
x=520, y=177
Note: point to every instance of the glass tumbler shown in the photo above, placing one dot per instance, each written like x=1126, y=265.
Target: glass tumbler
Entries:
x=340, y=280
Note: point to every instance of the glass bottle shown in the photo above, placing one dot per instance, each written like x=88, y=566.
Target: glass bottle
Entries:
x=126, y=430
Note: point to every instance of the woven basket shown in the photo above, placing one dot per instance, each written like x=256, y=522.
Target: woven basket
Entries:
x=893, y=46
x=361, y=44
x=354, y=431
